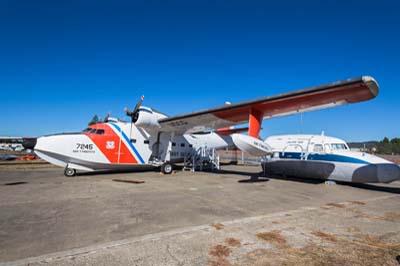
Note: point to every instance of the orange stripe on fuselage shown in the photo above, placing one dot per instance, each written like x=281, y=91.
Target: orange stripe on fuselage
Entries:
x=109, y=150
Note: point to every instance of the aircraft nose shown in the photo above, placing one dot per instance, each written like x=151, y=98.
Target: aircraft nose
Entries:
x=388, y=172
x=382, y=173
x=41, y=143
x=47, y=144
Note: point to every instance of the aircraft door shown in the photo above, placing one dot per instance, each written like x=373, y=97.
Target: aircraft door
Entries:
x=160, y=147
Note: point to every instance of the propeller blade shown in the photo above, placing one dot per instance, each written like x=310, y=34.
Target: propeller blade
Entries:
x=127, y=111
x=135, y=113
x=138, y=104
x=107, y=117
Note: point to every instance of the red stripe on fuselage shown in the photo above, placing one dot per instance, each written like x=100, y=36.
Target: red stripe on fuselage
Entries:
x=108, y=143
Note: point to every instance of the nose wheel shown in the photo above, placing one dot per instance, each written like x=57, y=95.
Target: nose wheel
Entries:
x=69, y=172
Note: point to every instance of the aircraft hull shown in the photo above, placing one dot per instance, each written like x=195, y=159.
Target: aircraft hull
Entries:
x=331, y=170
x=85, y=165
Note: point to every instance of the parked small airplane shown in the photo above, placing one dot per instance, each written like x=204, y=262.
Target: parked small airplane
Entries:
x=152, y=139
x=326, y=158
x=11, y=144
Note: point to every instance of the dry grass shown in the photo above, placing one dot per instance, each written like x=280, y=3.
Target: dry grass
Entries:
x=325, y=236
x=233, y=242
x=352, y=229
x=360, y=214
x=342, y=253
x=357, y=250
x=336, y=205
x=218, y=226
x=220, y=251
x=218, y=262
x=375, y=241
x=219, y=254
x=391, y=216
x=357, y=202
x=274, y=237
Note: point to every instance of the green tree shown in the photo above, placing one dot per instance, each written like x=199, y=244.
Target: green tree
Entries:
x=395, y=143
x=389, y=147
x=384, y=146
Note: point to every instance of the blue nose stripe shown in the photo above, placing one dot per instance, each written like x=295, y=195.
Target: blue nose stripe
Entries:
x=323, y=157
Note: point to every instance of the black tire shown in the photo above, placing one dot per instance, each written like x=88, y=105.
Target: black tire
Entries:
x=69, y=172
x=167, y=168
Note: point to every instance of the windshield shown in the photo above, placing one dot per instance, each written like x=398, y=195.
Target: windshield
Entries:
x=338, y=146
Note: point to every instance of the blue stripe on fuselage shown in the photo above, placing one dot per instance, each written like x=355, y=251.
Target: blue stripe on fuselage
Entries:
x=129, y=142
x=322, y=157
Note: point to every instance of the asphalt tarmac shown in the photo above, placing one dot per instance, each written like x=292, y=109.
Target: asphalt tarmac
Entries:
x=92, y=219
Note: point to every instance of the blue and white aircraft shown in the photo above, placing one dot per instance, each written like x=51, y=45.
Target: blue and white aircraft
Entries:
x=326, y=158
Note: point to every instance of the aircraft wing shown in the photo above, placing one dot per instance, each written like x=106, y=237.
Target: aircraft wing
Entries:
x=310, y=99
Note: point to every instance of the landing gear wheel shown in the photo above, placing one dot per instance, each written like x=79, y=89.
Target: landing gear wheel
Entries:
x=167, y=168
x=69, y=172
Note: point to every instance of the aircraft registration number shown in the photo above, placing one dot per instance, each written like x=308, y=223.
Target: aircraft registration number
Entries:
x=84, y=147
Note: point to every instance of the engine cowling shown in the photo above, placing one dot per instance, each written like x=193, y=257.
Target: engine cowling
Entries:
x=251, y=145
x=148, y=118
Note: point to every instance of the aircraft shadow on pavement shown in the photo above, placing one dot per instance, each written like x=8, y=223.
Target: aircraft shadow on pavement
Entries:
x=110, y=172
x=254, y=179
x=380, y=187
x=259, y=177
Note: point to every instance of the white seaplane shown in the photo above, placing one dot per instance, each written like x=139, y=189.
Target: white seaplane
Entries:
x=152, y=139
x=326, y=158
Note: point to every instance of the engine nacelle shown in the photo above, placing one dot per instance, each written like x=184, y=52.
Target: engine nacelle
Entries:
x=148, y=118
x=251, y=145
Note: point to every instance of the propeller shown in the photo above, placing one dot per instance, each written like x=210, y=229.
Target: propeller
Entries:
x=107, y=117
x=135, y=113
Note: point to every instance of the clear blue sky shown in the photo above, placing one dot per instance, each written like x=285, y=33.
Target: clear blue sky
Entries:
x=61, y=62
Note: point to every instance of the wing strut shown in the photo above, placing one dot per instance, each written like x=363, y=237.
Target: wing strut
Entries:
x=255, y=120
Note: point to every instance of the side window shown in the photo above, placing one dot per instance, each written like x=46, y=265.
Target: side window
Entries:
x=318, y=148
x=146, y=141
x=100, y=131
x=173, y=144
x=182, y=144
x=133, y=140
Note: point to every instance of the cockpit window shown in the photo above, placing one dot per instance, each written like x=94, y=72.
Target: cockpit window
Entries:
x=93, y=130
x=100, y=131
x=338, y=146
x=86, y=130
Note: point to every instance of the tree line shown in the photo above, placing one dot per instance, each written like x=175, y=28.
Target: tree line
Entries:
x=387, y=146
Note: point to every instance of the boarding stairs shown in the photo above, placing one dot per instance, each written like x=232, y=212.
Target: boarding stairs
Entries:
x=201, y=159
